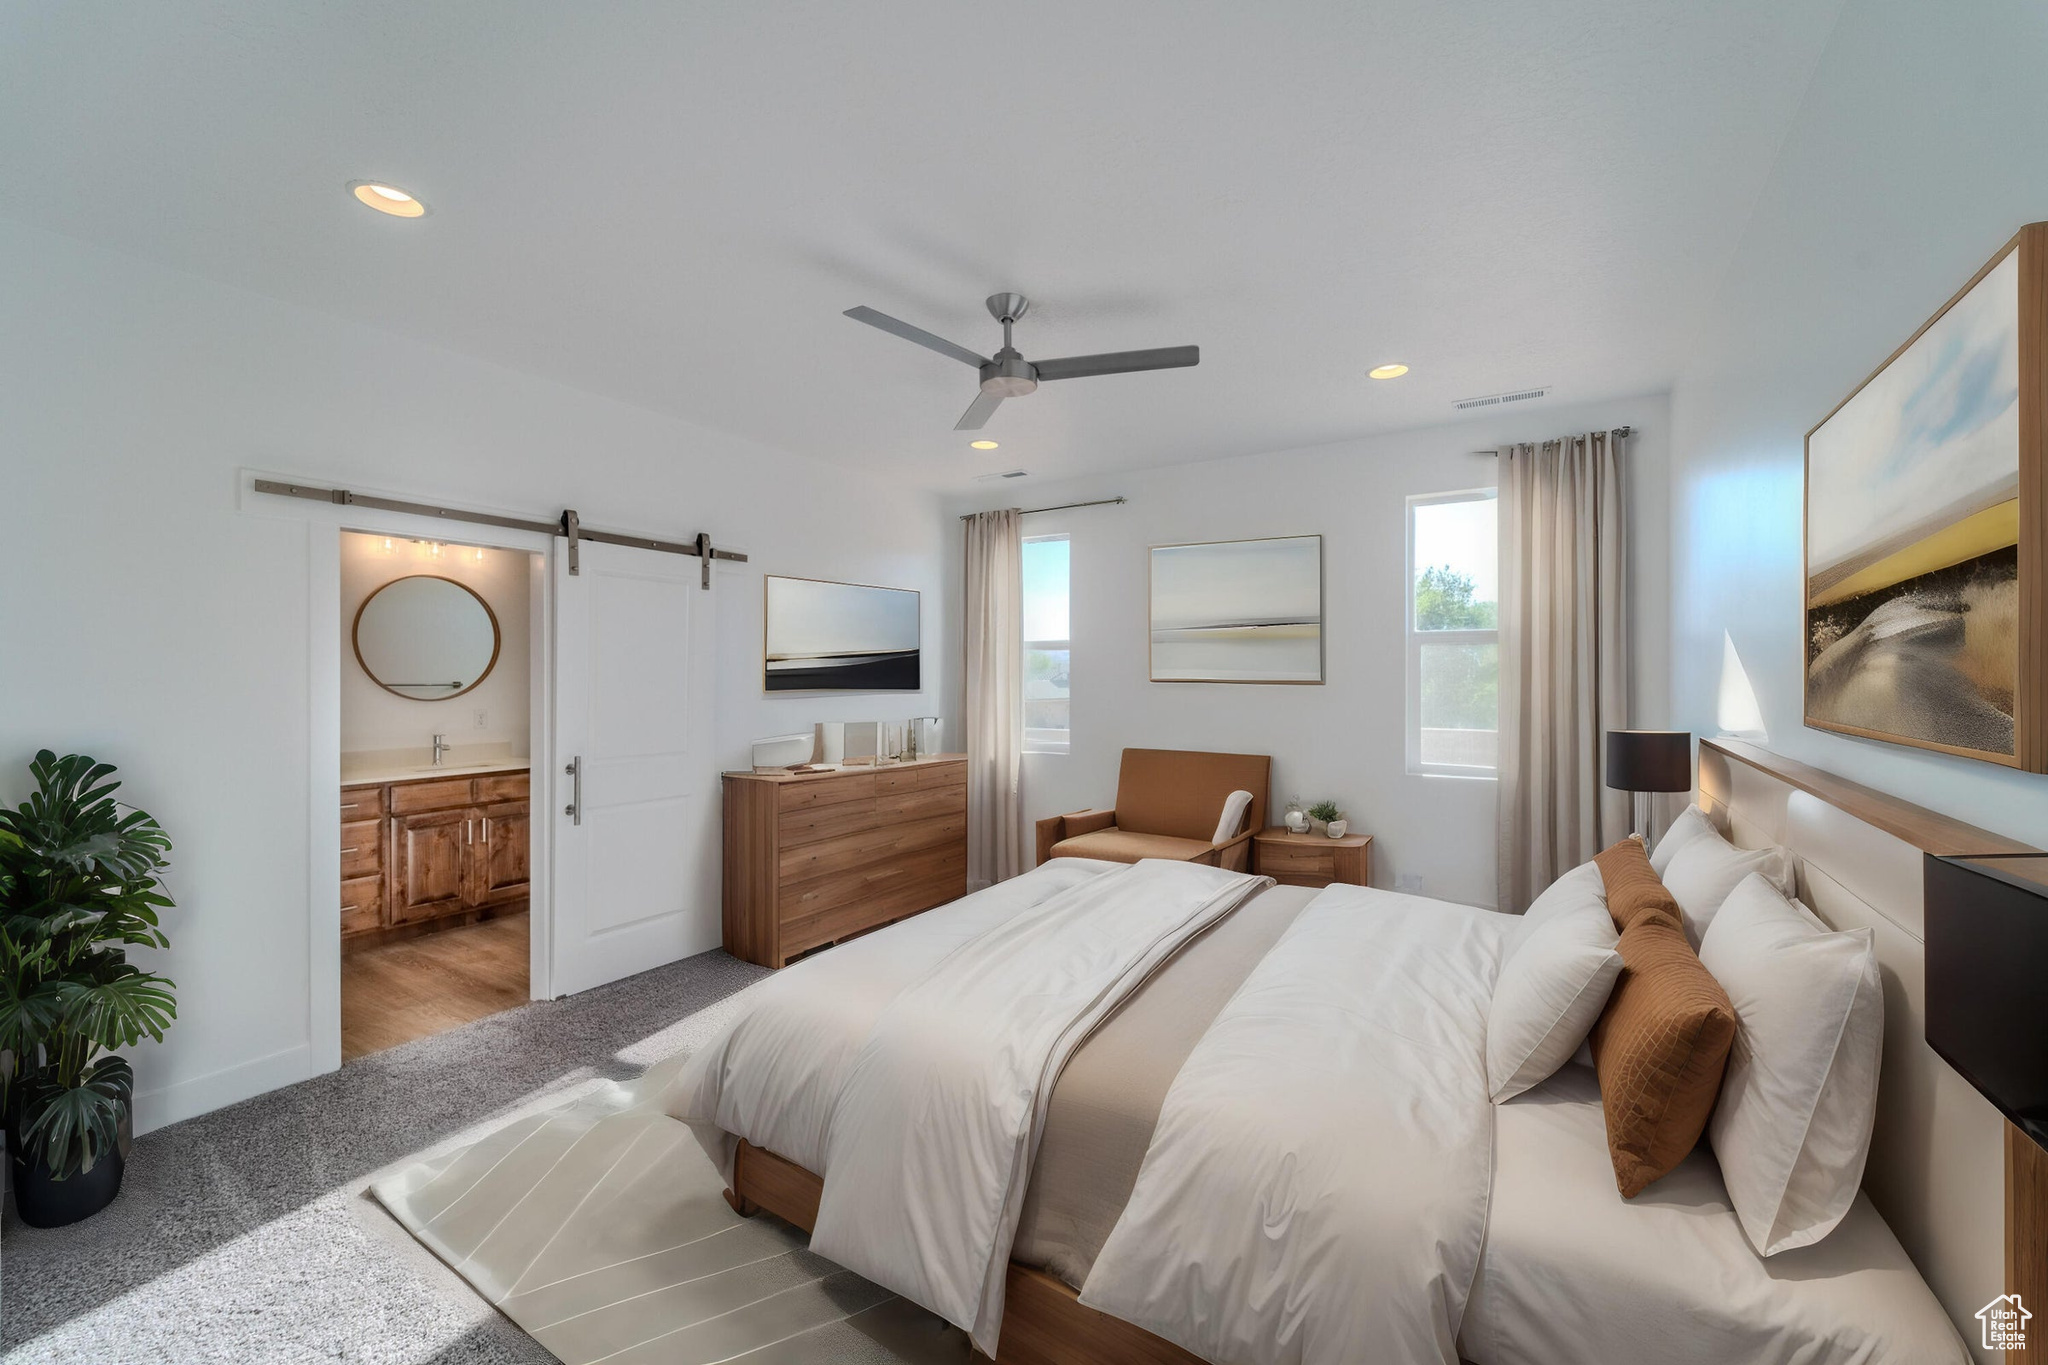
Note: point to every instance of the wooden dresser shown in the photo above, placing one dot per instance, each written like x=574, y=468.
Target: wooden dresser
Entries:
x=425, y=853
x=813, y=858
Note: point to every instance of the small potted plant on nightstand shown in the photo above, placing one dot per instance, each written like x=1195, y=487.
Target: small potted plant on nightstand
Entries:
x=1325, y=818
x=79, y=885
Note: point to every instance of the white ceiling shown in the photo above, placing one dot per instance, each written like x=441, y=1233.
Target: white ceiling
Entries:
x=672, y=203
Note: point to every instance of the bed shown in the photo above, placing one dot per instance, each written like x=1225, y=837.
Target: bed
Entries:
x=1556, y=1267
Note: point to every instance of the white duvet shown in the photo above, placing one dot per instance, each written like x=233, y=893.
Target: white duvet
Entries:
x=927, y=1144
x=1317, y=1187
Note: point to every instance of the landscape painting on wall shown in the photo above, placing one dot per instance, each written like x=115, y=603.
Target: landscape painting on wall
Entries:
x=1915, y=627
x=840, y=637
x=1239, y=611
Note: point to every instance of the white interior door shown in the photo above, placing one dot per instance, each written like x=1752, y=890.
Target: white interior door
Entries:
x=635, y=819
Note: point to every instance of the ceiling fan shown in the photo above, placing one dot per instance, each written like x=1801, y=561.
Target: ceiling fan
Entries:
x=1010, y=375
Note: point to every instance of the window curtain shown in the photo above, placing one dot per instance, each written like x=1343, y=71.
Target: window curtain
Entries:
x=995, y=695
x=1564, y=661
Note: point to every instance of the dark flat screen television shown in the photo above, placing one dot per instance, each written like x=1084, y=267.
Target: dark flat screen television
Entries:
x=840, y=637
x=1987, y=978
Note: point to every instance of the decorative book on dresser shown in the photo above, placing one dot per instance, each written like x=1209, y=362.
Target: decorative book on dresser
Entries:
x=814, y=858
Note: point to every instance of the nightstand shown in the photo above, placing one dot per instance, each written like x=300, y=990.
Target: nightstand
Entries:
x=1312, y=859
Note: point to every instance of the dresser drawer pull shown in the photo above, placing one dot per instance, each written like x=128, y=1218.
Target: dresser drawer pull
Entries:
x=345, y=852
x=349, y=805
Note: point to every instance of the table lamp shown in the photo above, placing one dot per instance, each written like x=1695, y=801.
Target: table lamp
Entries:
x=1643, y=761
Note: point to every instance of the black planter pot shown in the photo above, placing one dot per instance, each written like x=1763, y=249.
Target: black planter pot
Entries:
x=46, y=1203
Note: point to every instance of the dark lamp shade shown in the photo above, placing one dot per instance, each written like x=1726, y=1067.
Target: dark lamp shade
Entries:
x=1649, y=760
x=1987, y=978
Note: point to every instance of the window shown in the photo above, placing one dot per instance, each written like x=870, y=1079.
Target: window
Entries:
x=1453, y=634
x=1046, y=649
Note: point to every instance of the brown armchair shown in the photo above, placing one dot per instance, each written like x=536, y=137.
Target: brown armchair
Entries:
x=1167, y=804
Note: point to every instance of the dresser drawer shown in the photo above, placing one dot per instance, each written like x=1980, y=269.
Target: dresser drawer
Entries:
x=407, y=797
x=502, y=787
x=361, y=803
x=362, y=904
x=805, y=900
x=362, y=847
x=816, y=823
x=826, y=791
x=942, y=775
x=1279, y=858
x=849, y=852
x=893, y=893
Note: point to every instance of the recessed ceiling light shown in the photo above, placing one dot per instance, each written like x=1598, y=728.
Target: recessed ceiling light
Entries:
x=386, y=199
x=983, y=445
x=1387, y=371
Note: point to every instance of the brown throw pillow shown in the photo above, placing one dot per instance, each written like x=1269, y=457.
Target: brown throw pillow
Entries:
x=1632, y=886
x=1660, y=1048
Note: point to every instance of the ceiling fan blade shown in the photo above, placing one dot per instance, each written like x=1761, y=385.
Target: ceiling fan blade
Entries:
x=978, y=412
x=919, y=335
x=1118, y=362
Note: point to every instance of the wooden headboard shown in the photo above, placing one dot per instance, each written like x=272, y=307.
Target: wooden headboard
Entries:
x=1938, y=1157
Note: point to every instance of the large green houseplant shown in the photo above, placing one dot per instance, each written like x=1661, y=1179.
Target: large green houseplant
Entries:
x=80, y=882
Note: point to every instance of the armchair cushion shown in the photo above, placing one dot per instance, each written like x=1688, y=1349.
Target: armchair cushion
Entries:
x=1178, y=792
x=1126, y=846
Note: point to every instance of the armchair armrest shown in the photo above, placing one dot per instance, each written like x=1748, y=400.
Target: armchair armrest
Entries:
x=1054, y=828
x=1233, y=854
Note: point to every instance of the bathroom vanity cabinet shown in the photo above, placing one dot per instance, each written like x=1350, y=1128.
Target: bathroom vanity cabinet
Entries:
x=430, y=852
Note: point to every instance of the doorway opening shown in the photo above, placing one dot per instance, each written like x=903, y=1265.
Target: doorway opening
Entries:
x=437, y=784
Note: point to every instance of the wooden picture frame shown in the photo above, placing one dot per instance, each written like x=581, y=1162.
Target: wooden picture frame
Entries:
x=1217, y=629
x=1928, y=673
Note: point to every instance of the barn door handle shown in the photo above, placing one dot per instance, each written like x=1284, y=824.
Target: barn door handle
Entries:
x=574, y=810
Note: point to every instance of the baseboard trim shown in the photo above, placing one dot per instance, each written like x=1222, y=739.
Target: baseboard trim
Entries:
x=218, y=1089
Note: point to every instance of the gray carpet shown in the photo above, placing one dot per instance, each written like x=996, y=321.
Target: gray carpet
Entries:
x=244, y=1235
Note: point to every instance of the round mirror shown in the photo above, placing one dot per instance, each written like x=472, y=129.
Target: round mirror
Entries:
x=425, y=637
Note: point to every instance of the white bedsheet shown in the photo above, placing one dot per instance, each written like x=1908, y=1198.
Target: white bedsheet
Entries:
x=1574, y=1274
x=932, y=1138
x=774, y=1075
x=1316, y=1190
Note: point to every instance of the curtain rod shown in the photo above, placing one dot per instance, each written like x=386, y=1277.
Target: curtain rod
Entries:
x=1061, y=507
x=1618, y=431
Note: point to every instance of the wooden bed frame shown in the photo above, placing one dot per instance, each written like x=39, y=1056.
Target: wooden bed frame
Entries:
x=1945, y=1169
x=1044, y=1321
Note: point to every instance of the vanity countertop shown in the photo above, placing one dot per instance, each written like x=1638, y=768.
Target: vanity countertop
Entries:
x=375, y=773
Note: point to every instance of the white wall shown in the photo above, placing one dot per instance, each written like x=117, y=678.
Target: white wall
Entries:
x=374, y=718
x=151, y=623
x=1346, y=739
x=1920, y=148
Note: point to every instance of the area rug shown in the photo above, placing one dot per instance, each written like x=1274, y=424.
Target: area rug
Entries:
x=600, y=1228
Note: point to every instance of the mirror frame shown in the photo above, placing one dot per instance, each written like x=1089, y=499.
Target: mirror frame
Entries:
x=356, y=626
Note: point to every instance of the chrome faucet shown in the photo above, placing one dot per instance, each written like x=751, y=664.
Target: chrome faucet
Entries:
x=441, y=746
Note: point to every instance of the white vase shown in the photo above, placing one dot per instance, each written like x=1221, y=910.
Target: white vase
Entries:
x=1337, y=828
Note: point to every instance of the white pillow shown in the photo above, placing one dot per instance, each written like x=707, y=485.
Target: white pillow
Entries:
x=1233, y=815
x=1792, y=1126
x=1553, y=986
x=1690, y=824
x=1706, y=868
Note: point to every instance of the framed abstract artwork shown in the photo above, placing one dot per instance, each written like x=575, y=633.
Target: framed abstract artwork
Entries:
x=839, y=637
x=1926, y=512
x=1238, y=611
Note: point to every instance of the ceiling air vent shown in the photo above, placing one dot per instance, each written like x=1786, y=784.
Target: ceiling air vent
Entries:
x=1494, y=400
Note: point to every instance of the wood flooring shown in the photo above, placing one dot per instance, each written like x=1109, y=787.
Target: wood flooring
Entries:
x=395, y=992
